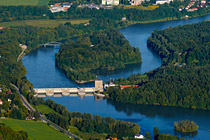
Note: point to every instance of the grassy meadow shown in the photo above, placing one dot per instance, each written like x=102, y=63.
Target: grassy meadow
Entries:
x=42, y=23
x=35, y=130
x=44, y=109
x=24, y=2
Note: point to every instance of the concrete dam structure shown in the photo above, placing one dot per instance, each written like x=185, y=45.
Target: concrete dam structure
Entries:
x=90, y=91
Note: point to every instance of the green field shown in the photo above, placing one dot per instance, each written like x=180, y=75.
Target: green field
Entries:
x=35, y=130
x=140, y=7
x=44, y=109
x=42, y=23
x=24, y=2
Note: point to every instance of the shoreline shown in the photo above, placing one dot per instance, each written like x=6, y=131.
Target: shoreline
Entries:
x=82, y=82
x=161, y=20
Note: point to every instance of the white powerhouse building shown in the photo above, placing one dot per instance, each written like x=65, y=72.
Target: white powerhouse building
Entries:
x=110, y=2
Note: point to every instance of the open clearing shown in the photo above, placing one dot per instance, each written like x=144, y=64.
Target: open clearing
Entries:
x=35, y=130
x=24, y=2
x=42, y=23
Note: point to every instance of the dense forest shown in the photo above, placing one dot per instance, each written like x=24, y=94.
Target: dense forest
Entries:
x=183, y=79
x=106, y=50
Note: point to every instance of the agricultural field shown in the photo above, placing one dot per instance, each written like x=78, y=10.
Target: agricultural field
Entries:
x=42, y=23
x=35, y=130
x=24, y=2
x=140, y=7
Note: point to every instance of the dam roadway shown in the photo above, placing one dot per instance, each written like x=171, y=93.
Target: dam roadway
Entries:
x=67, y=91
x=88, y=91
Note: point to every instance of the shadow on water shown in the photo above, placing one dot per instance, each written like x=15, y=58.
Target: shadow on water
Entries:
x=184, y=134
x=152, y=110
x=128, y=68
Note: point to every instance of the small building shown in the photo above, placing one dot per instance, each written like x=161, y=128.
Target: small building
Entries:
x=1, y=102
x=110, y=2
x=124, y=19
x=136, y=2
x=0, y=88
x=29, y=117
x=110, y=138
x=99, y=85
x=9, y=100
x=203, y=1
x=23, y=46
x=1, y=28
x=192, y=9
x=9, y=92
x=138, y=136
x=163, y=1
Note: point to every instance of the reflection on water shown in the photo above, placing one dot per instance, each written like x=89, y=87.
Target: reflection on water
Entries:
x=153, y=110
x=184, y=134
x=129, y=68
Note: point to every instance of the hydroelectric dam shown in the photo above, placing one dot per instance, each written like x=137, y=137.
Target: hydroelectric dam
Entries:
x=86, y=91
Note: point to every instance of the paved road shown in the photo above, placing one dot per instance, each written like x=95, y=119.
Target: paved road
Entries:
x=29, y=107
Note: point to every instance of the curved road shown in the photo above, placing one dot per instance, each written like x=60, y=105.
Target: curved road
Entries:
x=29, y=107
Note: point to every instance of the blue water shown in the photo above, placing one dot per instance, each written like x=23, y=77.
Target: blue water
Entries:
x=42, y=73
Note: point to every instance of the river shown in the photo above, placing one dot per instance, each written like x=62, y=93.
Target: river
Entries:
x=42, y=73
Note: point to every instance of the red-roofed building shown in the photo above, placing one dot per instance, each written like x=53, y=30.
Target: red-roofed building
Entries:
x=57, y=4
x=9, y=92
x=192, y=9
x=126, y=86
x=1, y=28
x=1, y=102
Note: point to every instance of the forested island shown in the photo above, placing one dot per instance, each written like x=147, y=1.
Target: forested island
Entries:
x=104, y=50
x=182, y=79
x=185, y=126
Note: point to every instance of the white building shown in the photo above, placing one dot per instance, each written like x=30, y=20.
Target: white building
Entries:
x=138, y=136
x=163, y=1
x=136, y=2
x=110, y=2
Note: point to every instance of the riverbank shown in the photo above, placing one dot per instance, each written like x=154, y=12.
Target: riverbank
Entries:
x=162, y=20
x=82, y=82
